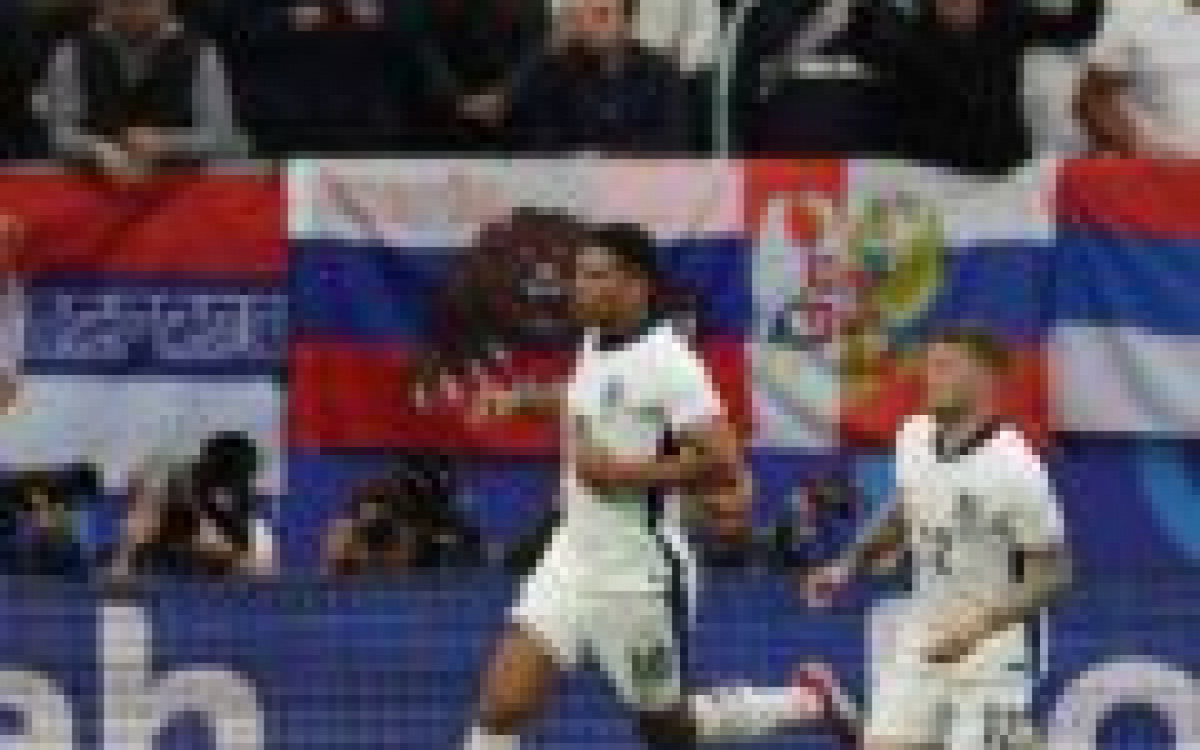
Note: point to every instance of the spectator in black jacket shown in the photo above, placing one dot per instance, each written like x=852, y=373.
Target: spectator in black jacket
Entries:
x=18, y=74
x=137, y=91
x=954, y=70
x=601, y=90
x=470, y=54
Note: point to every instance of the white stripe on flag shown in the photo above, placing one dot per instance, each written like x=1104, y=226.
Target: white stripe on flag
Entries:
x=442, y=203
x=119, y=423
x=1122, y=379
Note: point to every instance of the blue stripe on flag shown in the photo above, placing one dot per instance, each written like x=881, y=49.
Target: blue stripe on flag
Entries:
x=1001, y=286
x=1127, y=281
x=371, y=292
x=93, y=327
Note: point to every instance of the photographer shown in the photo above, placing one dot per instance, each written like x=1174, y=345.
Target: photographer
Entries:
x=39, y=530
x=822, y=518
x=197, y=516
x=400, y=523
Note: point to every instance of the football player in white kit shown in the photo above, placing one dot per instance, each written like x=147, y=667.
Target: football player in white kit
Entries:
x=977, y=512
x=615, y=583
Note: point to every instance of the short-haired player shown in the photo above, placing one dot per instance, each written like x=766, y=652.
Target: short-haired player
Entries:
x=976, y=510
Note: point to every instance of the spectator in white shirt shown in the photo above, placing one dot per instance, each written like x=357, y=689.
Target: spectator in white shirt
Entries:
x=1141, y=93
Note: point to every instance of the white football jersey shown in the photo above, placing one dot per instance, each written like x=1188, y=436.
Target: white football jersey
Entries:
x=969, y=511
x=627, y=398
x=1153, y=43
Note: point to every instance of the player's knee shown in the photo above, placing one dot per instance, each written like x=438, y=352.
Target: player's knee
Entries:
x=669, y=730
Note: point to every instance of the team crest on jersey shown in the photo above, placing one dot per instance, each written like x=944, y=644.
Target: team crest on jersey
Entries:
x=614, y=394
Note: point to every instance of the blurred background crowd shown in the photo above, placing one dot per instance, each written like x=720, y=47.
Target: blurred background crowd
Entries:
x=976, y=85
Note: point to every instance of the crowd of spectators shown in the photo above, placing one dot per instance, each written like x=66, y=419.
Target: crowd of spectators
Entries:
x=123, y=85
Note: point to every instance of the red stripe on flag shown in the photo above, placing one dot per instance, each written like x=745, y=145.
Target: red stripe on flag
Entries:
x=348, y=396
x=212, y=226
x=1138, y=197
x=766, y=179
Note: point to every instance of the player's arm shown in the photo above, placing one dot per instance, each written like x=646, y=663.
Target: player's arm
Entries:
x=709, y=450
x=1046, y=572
x=494, y=402
x=1040, y=569
x=725, y=509
x=709, y=454
x=878, y=544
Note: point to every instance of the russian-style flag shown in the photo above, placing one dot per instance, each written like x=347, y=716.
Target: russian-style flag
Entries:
x=153, y=316
x=379, y=247
x=383, y=251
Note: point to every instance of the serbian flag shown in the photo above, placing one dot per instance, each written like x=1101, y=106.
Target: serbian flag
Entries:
x=151, y=317
x=1125, y=347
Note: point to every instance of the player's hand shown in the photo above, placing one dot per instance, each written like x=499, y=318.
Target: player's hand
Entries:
x=603, y=472
x=949, y=650
x=822, y=587
x=949, y=645
x=493, y=402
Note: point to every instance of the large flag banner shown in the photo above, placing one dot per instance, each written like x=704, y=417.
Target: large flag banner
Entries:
x=854, y=263
x=150, y=319
x=417, y=281
x=1124, y=351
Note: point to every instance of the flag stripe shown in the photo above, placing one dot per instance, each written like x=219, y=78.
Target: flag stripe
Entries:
x=373, y=292
x=348, y=395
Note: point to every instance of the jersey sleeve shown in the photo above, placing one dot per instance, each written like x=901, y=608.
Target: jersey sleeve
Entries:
x=687, y=396
x=1034, y=513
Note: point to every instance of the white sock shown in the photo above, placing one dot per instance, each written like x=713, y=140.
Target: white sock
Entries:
x=480, y=739
x=748, y=711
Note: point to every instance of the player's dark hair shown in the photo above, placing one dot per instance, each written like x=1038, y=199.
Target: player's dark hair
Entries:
x=631, y=8
x=981, y=345
x=630, y=244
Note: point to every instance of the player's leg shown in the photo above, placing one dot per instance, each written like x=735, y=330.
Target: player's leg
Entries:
x=910, y=709
x=516, y=684
x=636, y=639
x=745, y=712
x=640, y=642
x=993, y=711
x=541, y=641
